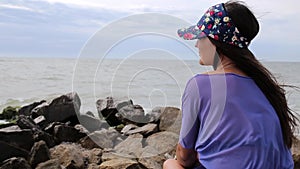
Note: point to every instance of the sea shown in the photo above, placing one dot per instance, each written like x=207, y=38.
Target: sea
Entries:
x=147, y=82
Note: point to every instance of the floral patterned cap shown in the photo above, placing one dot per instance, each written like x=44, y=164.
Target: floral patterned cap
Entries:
x=216, y=24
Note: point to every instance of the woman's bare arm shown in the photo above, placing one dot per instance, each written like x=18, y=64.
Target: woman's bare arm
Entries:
x=186, y=157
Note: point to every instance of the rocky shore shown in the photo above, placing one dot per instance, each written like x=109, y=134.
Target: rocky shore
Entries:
x=55, y=135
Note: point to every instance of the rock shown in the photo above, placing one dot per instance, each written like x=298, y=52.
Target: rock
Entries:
x=100, y=139
x=127, y=128
x=296, y=158
x=4, y=125
x=154, y=115
x=50, y=164
x=11, y=128
x=61, y=109
x=131, y=146
x=39, y=153
x=296, y=146
x=92, y=123
x=158, y=145
x=50, y=127
x=25, y=122
x=152, y=162
x=15, y=163
x=111, y=154
x=39, y=110
x=107, y=110
x=170, y=119
x=18, y=138
x=9, y=113
x=41, y=121
x=39, y=135
x=93, y=155
x=8, y=150
x=146, y=130
x=93, y=166
x=26, y=110
x=69, y=155
x=121, y=164
x=63, y=133
x=128, y=113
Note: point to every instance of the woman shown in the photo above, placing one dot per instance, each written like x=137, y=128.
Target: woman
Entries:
x=235, y=117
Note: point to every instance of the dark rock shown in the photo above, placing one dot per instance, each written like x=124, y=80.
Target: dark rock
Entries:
x=39, y=110
x=39, y=153
x=26, y=110
x=128, y=113
x=92, y=123
x=50, y=164
x=19, y=138
x=9, y=113
x=69, y=155
x=25, y=122
x=61, y=109
x=8, y=150
x=296, y=158
x=15, y=163
x=107, y=110
x=64, y=133
x=39, y=135
x=50, y=127
x=170, y=119
x=145, y=130
x=7, y=125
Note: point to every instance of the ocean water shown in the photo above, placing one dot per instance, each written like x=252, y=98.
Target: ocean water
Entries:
x=149, y=83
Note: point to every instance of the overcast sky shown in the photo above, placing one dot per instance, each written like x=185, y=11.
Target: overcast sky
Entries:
x=60, y=28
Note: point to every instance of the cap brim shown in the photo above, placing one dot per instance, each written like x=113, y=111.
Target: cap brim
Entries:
x=191, y=33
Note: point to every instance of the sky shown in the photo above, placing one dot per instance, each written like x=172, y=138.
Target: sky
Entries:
x=63, y=28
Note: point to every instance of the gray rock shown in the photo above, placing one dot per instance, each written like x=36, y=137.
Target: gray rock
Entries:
x=131, y=146
x=158, y=145
x=92, y=123
x=105, y=138
x=63, y=133
x=128, y=113
x=8, y=150
x=154, y=115
x=41, y=121
x=11, y=128
x=69, y=155
x=15, y=163
x=50, y=164
x=128, y=127
x=26, y=110
x=170, y=119
x=145, y=130
x=39, y=153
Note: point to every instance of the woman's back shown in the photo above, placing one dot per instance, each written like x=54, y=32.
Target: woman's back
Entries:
x=237, y=126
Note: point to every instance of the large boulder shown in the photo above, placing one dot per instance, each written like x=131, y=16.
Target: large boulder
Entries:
x=61, y=109
x=170, y=119
x=128, y=113
x=64, y=133
x=9, y=150
x=18, y=138
x=15, y=163
x=39, y=153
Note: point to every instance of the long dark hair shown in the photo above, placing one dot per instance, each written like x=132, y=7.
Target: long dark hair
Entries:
x=244, y=60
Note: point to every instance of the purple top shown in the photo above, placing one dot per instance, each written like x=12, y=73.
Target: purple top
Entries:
x=230, y=123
